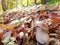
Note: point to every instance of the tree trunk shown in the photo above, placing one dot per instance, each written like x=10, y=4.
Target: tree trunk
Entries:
x=27, y=3
x=35, y=1
x=43, y=1
x=3, y=5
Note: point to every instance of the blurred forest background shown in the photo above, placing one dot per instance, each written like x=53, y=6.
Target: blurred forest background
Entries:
x=10, y=4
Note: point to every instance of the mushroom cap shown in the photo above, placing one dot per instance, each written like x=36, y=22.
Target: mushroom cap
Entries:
x=21, y=34
x=38, y=23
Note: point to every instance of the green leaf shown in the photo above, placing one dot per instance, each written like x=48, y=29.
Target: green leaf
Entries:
x=11, y=43
x=17, y=24
x=7, y=38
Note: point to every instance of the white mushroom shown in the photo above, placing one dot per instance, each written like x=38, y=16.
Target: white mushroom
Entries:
x=41, y=36
x=21, y=34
